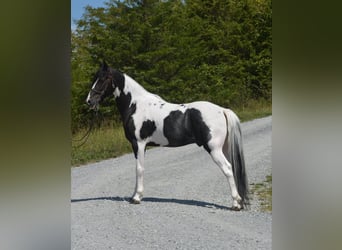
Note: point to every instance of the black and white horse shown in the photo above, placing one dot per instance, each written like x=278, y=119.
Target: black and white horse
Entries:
x=150, y=120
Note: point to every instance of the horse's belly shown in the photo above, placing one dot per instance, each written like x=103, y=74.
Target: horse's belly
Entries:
x=158, y=138
x=171, y=136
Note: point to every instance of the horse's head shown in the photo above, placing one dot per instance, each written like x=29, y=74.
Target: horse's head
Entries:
x=102, y=86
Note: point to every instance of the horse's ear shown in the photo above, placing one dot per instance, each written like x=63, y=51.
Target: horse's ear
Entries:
x=104, y=65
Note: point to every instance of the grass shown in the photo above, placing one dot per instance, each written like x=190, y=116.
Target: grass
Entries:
x=103, y=143
x=109, y=141
x=254, y=109
x=264, y=193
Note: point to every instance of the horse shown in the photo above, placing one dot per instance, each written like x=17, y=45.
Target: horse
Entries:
x=149, y=120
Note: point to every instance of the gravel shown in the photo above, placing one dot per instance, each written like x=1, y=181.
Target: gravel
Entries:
x=186, y=202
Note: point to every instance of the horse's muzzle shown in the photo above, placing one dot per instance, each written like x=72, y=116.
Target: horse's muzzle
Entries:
x=92, y=105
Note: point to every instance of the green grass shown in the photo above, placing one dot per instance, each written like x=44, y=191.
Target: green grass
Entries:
x=264, y=193
x=109, y=141
x=106, y=142
x=254, y=109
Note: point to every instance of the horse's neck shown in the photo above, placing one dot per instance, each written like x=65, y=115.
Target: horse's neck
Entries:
x=135, y=89
x=128, y=97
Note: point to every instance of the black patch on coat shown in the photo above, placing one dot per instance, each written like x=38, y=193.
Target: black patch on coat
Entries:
x=147, y=129
x=128, y=124
x=185, y=128
x=134, y=144
x=118, y=79
x=126, y=109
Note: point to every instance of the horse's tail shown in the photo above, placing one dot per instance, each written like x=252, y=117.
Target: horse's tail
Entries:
x=235, y=155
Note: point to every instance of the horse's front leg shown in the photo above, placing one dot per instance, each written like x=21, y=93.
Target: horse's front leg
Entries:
x=139, y=152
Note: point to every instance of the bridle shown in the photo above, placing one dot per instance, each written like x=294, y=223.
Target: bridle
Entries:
x=110, y=77
x=97, y=91
x=94, y=117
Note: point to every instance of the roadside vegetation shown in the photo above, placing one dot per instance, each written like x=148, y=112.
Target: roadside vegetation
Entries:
x=263, y=192
x=104, y=142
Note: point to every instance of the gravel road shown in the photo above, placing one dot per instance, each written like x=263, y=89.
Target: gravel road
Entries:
x=186, y=201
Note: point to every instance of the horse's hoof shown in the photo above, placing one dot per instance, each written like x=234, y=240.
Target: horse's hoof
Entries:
x=237, y=206
x=234, y=208
x=134, y=201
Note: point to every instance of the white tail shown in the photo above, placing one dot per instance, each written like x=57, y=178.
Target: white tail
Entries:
x=236, y=156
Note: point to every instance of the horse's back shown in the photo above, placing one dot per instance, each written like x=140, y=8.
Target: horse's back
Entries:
x=212, y=114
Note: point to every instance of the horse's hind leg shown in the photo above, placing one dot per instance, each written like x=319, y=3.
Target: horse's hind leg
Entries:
x=219, y=158
x=139, y=187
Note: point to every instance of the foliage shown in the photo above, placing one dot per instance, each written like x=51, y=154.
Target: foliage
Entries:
x=184, y=51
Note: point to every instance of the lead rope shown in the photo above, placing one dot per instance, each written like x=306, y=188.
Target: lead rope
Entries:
x=85, y=137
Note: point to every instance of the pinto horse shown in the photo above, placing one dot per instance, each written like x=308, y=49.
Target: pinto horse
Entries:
x=148, y=120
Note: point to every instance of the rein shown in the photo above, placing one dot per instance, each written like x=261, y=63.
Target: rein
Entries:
x=85, y=137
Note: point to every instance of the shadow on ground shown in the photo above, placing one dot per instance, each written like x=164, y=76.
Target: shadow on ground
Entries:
x=157, y=200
